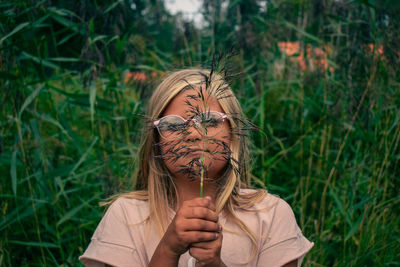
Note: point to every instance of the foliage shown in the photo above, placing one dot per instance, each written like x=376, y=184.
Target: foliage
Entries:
x=319, y=78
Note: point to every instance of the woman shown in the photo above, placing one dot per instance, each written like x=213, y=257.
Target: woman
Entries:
x=196, y=147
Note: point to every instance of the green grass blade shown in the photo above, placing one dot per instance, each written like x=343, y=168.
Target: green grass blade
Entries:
x=112, y=6
x=84, y=156
x=302, y=32
x=70, y=214
x=92, y=99
x=16, y=29
x=13, y=172
x=339, y=205
x=34, y=244
x=14, y=217
x=41, y=61
x=354, y=228
x=64, y=59
x=50, y=120
x=63, y=12
x=29, y=100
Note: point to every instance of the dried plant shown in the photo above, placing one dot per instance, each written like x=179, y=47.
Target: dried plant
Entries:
x=197, y=103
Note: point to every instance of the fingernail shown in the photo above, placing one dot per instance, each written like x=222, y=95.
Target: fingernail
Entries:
x=208, y=197
x=220, y=228
x=216, y=235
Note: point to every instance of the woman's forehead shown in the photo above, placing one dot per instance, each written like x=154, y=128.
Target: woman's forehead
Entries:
x=189, y=100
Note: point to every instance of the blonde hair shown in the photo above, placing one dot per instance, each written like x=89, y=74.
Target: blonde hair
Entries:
x=153, y=181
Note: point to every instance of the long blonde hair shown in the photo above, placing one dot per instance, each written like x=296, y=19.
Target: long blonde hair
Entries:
x=153, y=181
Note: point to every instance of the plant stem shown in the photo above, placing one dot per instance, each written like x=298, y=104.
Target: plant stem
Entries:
x=202, y=168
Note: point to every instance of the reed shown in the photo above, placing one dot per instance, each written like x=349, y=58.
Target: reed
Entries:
x=318, y=78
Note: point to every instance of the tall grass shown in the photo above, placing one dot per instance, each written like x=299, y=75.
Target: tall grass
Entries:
x=329, y=130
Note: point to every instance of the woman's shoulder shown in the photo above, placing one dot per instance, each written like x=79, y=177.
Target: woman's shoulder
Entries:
x=259, y=198
x=265, y=203
x=134, y=198
x=122, y=199
x=128, y=208
x=270, y=213
x=131, y=200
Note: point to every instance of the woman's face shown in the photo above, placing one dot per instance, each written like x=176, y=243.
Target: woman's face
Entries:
x=182, y=150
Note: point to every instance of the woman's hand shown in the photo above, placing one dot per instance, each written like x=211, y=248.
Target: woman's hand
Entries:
x=208, y=253
x=195, y=222
x=195, y=227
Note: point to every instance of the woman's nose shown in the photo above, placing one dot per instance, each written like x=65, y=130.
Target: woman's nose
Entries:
x=193, y=130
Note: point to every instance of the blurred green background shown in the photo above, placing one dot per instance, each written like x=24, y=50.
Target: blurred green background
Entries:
x=320, y=78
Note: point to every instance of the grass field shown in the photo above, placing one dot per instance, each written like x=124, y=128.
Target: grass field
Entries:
x=319, y=78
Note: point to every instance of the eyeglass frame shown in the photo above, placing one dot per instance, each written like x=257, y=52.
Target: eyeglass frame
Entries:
x=186, y=121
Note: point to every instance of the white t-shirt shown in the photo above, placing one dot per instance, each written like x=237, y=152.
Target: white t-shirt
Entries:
x=123, y=239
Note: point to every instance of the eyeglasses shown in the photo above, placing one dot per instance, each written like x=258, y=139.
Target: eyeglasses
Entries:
x=208, y=124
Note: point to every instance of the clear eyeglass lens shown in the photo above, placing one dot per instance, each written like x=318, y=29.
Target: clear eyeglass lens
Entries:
x=207, y=123
x=171, y=126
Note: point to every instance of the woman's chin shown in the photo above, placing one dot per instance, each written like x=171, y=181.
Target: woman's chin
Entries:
x=190, y=166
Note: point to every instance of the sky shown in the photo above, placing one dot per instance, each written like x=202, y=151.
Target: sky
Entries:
x=189, y=8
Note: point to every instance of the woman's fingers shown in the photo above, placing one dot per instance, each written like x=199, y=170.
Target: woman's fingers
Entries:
x=196, y=221
x=200, y=213
x=209, y=245
x=199, y=208
x=207, y=253
x=199, y=236
x=201, y=225
x=204, y=202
